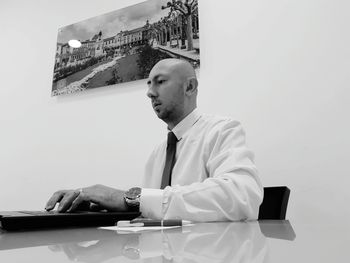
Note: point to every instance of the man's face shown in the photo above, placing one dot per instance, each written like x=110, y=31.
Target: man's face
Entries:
x=166, y=91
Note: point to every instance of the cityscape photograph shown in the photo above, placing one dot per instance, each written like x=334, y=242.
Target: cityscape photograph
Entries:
x=125, y=44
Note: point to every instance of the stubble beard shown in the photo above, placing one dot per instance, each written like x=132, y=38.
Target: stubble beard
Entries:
x=169, y=116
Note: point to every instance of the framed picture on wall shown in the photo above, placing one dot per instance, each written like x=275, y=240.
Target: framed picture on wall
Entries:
x=123, y=45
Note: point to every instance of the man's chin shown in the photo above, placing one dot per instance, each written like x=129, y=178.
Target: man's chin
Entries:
x=160, y=114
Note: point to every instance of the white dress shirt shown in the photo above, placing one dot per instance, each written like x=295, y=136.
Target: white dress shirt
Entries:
x=213, y=179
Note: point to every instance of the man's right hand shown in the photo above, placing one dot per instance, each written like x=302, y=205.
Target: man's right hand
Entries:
x=99, y=196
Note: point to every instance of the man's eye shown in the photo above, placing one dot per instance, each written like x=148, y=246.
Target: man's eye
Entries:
x=160, y=81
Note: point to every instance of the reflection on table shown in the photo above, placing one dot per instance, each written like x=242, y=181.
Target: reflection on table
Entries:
x=205, y=242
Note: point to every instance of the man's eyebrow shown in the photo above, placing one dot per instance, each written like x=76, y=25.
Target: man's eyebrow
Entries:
x=154, y=78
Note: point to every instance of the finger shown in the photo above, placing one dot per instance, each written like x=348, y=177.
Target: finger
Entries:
x=77, y=201
x=83, y=206
x=56, y=197
x=67, y=200
x=95, y=207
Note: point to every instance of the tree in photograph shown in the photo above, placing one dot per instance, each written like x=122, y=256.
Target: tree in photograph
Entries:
x=153, y=33
x=116, y=78
x=148, y=57
x=186, y=9
x=162, y=27
x=195, y=24
x=166, y=22
x=171, y=23
x=175, y=19
x=109, y=52
x=178, y=24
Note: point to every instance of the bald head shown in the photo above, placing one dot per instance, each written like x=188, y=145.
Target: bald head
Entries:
x=180, y=68
x=173, y=90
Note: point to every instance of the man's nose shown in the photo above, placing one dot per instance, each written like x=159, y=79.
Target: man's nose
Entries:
x=151, y=93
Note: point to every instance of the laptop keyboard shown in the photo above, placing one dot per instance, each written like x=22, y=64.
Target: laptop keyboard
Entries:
x=39, y=213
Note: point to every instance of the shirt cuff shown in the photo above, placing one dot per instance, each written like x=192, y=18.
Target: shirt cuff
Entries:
x=151, y=203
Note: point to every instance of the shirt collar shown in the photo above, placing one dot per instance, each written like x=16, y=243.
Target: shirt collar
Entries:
x=183, y=126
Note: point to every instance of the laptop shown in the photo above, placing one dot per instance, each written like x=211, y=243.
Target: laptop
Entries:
x=22, y=220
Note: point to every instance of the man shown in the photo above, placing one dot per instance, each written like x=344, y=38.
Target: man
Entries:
x=204, y=172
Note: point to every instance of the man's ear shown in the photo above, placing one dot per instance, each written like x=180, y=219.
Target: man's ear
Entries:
x=192, y=85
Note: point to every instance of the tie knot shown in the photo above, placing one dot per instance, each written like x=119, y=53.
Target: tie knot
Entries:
x=171, y=138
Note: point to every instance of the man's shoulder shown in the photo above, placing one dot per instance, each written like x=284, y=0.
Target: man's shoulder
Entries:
x=218, y=122
x=211, y=127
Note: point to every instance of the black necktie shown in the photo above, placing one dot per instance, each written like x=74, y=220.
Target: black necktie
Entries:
x=170, y=160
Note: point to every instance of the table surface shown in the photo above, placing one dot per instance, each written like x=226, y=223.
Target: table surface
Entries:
x=255, y=241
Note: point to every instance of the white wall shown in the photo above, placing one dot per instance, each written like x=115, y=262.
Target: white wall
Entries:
x=279, y=66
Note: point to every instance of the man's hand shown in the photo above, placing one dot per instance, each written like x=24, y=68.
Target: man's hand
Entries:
x=99, y=195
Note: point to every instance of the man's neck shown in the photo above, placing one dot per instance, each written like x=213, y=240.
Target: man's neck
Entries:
x=172, y=124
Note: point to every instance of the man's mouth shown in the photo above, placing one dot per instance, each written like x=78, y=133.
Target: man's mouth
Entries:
x=156, y=104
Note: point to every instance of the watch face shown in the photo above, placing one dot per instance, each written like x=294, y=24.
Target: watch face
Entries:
x=132, y=197
x=133, y=193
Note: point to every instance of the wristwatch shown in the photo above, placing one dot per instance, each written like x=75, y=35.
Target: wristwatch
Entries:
x=132, y=198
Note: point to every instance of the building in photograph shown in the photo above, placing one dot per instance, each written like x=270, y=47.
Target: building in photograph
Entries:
x=170, y=35
x=87, y=50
